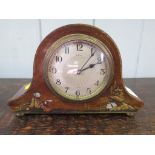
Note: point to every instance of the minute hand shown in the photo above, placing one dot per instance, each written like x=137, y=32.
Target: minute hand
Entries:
x=79, y=71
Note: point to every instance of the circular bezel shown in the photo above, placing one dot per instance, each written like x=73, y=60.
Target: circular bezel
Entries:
x=75, y=37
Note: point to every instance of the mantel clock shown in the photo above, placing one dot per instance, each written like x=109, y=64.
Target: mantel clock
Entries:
x=77, y=69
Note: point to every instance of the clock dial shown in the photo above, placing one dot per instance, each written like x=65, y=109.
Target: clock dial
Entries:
x=78, y=69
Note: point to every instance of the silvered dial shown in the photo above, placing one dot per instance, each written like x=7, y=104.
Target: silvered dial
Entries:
x=78, y=69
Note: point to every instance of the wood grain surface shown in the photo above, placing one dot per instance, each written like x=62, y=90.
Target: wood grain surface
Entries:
x=142, y=123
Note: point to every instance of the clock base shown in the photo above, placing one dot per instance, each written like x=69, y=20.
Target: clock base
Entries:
x=119, y=102
x=22, y=113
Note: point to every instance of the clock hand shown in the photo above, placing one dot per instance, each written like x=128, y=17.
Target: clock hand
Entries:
x=90, y=66
x=92, y=54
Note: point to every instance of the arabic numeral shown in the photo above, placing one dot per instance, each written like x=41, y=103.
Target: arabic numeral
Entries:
x=58, y=82
x=58, y=59
x=89, y=90
x=66, y=50
x=66, y=89
x=79, y=47
x=102, y=71
x=77, y=93
x=54, y=70
x=97, y=83
x=92, y=51
x=99, y=60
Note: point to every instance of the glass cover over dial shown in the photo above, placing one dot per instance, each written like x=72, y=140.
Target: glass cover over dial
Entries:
x=78, y=67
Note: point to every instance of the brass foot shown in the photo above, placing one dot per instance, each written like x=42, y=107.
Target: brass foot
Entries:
x=130, y=113
x=20, y=114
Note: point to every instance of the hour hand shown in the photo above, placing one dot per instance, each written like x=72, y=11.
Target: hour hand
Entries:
x=80, y=70
x=90, y=66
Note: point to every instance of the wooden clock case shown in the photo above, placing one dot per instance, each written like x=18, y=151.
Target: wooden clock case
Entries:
x=38, y=98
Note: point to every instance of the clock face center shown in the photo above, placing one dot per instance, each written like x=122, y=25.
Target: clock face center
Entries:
x=78, y=69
